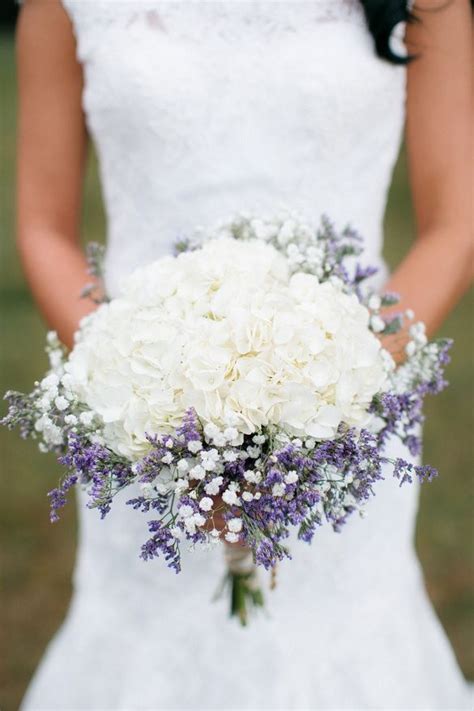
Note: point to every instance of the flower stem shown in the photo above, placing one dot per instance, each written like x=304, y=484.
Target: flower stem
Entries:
x=245, y=595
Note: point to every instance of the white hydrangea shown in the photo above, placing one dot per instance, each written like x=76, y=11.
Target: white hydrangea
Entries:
x=230, y=331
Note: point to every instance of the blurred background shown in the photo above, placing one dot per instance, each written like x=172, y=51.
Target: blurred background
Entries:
x=37, y=557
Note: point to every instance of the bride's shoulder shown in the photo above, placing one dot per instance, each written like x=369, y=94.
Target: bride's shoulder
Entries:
x=48, y=18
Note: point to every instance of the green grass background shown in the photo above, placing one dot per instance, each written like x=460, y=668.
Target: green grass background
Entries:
x=37, y=558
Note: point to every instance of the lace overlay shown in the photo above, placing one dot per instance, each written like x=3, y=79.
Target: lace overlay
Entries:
x=188, y=18
x=221, y=106
x=198, y=110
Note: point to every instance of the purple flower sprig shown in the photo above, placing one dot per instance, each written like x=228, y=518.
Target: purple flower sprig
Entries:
x=21, y=413
x=260, y=491
x=405, y=471
x=400, y=407
x=205, y=486
x=94, y=466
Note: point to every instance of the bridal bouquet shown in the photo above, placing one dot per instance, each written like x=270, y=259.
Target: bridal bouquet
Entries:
x=238, y=390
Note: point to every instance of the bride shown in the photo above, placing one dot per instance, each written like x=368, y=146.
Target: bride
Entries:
x=197, y=110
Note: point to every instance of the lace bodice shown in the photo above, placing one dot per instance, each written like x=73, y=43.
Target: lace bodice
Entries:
x=200, y=109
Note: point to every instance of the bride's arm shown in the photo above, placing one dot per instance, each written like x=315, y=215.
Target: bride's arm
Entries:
x=51, y=157
x=438, y=268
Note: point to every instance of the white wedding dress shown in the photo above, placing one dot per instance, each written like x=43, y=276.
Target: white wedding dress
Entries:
x=198, y=110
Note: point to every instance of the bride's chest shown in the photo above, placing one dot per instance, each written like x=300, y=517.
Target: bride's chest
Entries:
x=218, y=65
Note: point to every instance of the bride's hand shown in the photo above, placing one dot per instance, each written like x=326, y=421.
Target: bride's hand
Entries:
x=395, y=344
